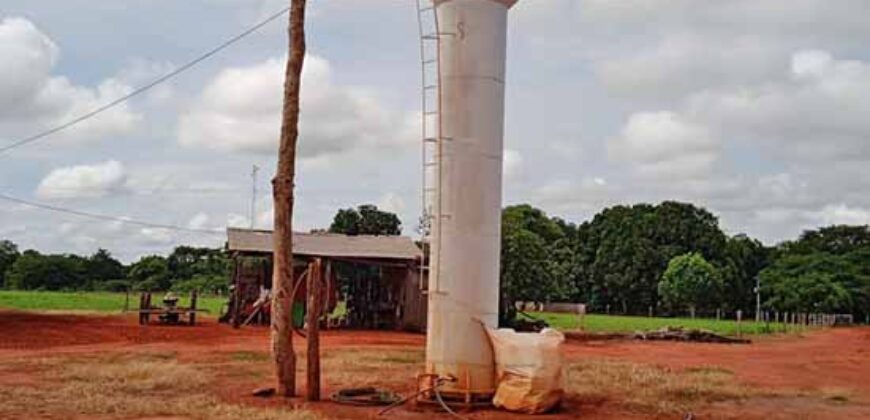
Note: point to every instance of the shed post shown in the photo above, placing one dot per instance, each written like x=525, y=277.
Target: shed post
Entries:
x=315, y=299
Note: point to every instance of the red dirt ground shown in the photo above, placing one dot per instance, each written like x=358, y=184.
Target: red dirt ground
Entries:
x=828, y=360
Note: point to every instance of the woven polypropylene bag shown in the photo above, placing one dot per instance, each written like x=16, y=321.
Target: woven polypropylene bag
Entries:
x=529, y=368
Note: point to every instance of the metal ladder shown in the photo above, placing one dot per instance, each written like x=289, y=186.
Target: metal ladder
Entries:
x=432, y=139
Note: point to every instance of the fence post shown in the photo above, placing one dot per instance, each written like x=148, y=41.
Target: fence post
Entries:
x=739, y=319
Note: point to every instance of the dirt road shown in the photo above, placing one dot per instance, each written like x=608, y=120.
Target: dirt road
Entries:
x=834, y=361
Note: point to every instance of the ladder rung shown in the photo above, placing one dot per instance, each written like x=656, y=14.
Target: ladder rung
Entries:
x=427, y=87
x=430, y=61
x=434, y=35
x=431, y=139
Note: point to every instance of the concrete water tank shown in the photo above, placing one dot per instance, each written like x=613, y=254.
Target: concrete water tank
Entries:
x=464, y=278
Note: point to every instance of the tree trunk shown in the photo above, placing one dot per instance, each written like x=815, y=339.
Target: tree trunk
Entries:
x=282, y=193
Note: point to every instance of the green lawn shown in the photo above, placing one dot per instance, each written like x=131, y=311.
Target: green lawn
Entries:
x=92, y=301
x=614, y=323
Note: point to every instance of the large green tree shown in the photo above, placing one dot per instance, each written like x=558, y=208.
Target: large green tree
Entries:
x=623, y=252
x=744, y=259
x=366, y=219
x=34, y=271
x=537, y=258
x=150, y=273
x=690, y=282
x=805, y=277
x=8, y=254
x=102, y=267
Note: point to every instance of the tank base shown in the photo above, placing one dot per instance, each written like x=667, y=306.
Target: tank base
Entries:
x=429, y=391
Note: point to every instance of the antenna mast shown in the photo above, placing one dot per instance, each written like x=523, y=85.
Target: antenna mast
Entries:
x=254, y=170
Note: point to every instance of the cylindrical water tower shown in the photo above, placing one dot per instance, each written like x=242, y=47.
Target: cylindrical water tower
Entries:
x=466, y=227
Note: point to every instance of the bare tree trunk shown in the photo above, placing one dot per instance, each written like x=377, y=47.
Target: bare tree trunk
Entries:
x=282, y=192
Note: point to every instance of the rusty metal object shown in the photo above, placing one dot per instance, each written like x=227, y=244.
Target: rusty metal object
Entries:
x=170, y=313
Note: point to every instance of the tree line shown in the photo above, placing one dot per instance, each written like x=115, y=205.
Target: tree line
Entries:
x=670, y=259
x=185, y=269
x=674, y=259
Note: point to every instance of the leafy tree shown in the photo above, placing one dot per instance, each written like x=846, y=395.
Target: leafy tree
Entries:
x=8, y=255
x=825, y=269
x=842, y=282
x=524, y=271
x=534, y=220
x=744, y=259
x=151, y=271
x=838, y=240
x=34, y=271
x=185, y=263
x=810, y=292
x=101, y=267
x=623, y=252
x=366, y=220
x=537, y=259
x=690, y=281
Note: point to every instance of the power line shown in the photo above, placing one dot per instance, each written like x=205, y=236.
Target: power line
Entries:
x=142, y=89
x=106, y=217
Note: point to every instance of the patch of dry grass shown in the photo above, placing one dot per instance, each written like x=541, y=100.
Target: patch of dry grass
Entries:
x=654, y=389
x=388, y=367
x=125, y=386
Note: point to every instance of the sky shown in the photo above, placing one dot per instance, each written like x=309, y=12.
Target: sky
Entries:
x=756, y=110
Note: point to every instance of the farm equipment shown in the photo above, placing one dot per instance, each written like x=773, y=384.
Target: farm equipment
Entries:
x=170, y=313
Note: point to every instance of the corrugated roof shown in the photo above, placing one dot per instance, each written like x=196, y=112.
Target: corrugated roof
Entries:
x=327, y=244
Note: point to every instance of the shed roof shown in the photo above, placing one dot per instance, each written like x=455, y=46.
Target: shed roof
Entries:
x=327, y=244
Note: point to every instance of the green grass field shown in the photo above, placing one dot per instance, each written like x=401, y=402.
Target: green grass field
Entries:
x=615, y=323
x=92, y=301
x=114, y=302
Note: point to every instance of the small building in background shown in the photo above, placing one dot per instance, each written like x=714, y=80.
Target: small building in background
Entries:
x=372, y=282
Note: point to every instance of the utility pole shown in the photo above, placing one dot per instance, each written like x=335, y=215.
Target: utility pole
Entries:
x=254, y=171
x=282, y=193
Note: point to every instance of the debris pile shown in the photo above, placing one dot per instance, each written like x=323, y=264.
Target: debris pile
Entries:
x=686, y=334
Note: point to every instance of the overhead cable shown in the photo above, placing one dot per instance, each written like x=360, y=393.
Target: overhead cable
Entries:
x=141, y=89
x=105, y=217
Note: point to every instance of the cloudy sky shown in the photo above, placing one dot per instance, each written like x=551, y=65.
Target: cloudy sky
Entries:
x=759, y=110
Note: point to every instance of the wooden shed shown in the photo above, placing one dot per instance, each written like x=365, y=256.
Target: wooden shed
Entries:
x=377, y=279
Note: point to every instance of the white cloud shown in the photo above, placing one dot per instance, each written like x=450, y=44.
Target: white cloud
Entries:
x=685, y=63
x=512, y=164
x=198, y=221
x=238, y=221
x=816, y=111
x=240, y=110
x=32, y=99
x=156, y=236
x=392, y=203
x=841, y=214
x=98, y=180
x=665, y=144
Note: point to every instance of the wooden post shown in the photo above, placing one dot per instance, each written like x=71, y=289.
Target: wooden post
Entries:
x=785, y=322
x=312, y=318
x=739, y=321
x=282, y=194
